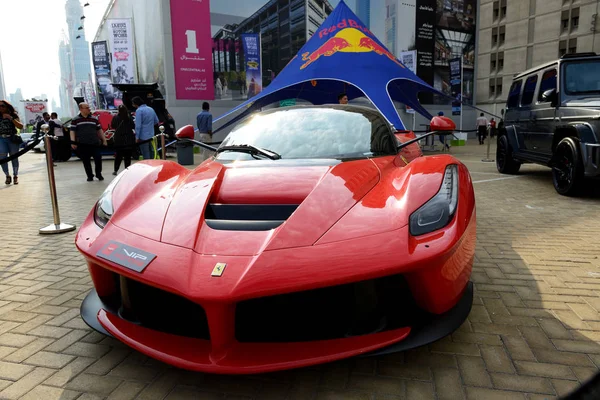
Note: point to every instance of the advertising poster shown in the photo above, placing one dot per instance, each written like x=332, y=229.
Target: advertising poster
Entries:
x=192, y=49
x=251, y=44
x=106, y=95
x=121, y=44
x=425, y=42
x=34, y=111
x=409, y=59
x=456, y=85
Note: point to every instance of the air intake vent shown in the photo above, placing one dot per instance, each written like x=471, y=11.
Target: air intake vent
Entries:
x=247, y=217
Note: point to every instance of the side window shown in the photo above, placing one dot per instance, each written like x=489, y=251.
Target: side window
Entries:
x=548, y=82
x=529, y=90
x=513, y=95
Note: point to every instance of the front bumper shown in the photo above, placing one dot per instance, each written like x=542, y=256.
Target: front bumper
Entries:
x=249, y=358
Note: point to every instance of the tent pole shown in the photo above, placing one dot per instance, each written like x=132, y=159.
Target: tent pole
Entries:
x=462, y=61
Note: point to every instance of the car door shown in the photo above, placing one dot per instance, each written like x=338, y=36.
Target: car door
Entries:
x=546, y=114
x=513, y=117
x=529, y=113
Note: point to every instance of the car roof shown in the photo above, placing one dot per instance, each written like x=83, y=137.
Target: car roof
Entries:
x=344, y=107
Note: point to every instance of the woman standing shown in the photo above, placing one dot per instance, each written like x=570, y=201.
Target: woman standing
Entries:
x=124, y=136
x=8, y=139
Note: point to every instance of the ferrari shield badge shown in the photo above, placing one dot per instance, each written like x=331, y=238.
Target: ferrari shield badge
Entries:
x=218, y=269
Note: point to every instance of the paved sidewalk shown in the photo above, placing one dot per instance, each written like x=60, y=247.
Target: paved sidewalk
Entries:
x=533, y=332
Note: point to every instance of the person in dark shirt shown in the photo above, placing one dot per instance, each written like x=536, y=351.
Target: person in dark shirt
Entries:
x=123, y=125
x=87, y=132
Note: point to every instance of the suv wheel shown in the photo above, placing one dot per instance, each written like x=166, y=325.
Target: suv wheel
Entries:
x=505, y=162
x=567, y=169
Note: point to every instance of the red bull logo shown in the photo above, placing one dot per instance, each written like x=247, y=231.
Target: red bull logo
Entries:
x=346, y=40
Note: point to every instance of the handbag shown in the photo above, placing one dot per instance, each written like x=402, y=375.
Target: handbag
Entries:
x=16, y=139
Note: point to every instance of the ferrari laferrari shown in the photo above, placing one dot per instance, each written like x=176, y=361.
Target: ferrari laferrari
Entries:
x=312, y=234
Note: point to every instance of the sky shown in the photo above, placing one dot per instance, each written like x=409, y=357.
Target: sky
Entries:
x=30, y=42
x=30, y=46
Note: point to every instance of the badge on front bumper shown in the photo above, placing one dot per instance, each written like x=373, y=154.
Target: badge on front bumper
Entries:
x=218, y=269
x=126, y=256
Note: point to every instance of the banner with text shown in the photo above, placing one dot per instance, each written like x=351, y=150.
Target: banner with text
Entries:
x=409, y=59
x=192, y=50
x=252, y=48
x=121, y=44
x=425, y=42
x=456, y=85
x=34, y=111
x=102, y=73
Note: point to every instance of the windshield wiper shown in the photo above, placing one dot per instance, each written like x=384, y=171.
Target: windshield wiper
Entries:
x=251, y=149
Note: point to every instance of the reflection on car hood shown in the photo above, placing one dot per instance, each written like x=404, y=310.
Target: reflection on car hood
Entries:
x=319, y=192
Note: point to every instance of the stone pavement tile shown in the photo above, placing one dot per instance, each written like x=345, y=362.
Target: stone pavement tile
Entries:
x=126, y=391
x=128, y=371
x=577, y=346
x=8, y=326
x=61, y=319
x=419, y=390
x=473, y=372
x=66, y=341
x=12, y=371
x=477, y=338
x=447, y=346
x=15, y=340
x=69, y=372
x=342, y=395
x=496, y=359
x=423, y=357
x=544, y=370
x=26, y=383
x=87, y=350
x=55, y=332
x=535, y=337
x=554, y=329
x=108, y=361
x=27, y=351
x=5, y=351
x=563, y=358
x=522, y=383
x=335, y=375
x=32, y=324
x=495, y=329
x=477, y=393
x=187, y=393
x=274, y=391
x=518, y=348
x=93, y=383
x=404, y=371
x=564, y=387
x=448, y=384
x=42, y=392
x=50, y=360
x=4, y=384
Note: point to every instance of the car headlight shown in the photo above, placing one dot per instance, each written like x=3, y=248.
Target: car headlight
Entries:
x=104, y=207
x=437, y=212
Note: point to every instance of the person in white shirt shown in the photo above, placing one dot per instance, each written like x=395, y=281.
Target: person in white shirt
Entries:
x=481, y=124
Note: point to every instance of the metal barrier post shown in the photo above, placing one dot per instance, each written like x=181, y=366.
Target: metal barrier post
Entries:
x=162, y=142
x=487, y=159
x=57, y=226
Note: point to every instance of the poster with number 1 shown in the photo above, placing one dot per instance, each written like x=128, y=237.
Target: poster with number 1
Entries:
x=192, y=49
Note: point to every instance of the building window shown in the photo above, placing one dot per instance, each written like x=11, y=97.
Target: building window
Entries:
x=503, y=9
x=500, y=61
x=574, y=18
x=564, y=20
x=562, y=48
x=493, y=62
x=501, y=35
x=496, y=10
x=495, y=87
x=492, y=88
x=572, y=46
x=494, y=36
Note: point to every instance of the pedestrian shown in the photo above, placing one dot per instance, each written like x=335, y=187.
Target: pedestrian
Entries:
x=124, y=137
x=45, y=120
x=87, y=135
x=145, y=120
x=493, y=128
x=9, y=142
x=481, y=124
x=442, y=138
x=204, y=124
x=343, y=98
x=56, y=130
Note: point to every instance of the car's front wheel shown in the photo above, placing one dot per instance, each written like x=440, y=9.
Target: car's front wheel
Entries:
x=505, y=163
x=567, y=168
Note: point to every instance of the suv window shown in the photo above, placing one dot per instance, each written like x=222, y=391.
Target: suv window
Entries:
x=513, y=95
x=582, y=78
x=548, y=82
x=529, y=90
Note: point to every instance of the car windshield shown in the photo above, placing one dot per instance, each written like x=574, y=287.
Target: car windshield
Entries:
x=581, y=78
x=317, y=132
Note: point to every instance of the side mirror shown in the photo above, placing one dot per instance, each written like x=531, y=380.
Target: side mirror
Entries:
x=185, y=132
x=551, y=96
x=442, y=125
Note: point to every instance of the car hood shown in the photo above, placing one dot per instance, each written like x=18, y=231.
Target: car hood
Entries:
x=313, y=195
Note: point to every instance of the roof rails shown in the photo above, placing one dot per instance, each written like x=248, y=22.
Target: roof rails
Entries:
x=578, y=55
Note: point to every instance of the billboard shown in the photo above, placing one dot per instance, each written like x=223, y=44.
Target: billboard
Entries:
x=34, y=111
x=123, y=57
x=192, y=49
x=101, y=61
x=409, y=59
x=252, y=63
x=456, y=85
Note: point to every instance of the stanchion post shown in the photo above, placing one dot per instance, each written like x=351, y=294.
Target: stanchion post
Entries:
x=487, y=159
x=57, y=226
x=162, y=142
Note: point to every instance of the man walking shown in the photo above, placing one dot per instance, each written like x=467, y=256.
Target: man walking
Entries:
x=204, y=123
x=87, y=132
x=145, y=120
x=481, y=124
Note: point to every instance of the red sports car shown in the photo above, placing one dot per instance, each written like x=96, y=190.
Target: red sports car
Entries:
x=314, y=233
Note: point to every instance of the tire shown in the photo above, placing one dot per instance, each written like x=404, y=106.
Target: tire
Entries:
x=505, y=163
x=567, y=167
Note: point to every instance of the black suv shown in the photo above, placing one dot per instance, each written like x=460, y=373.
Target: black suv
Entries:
x=553, y=119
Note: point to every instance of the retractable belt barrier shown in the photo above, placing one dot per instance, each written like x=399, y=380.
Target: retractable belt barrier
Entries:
x=27, y=148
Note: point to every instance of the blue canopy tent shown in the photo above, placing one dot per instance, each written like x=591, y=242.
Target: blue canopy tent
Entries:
x=342, y=56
